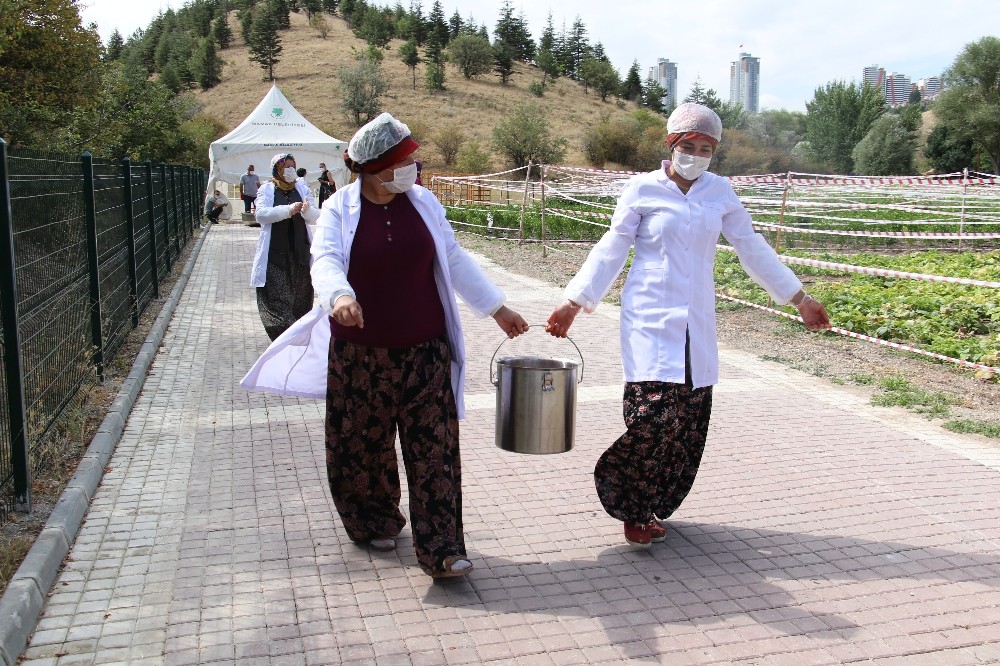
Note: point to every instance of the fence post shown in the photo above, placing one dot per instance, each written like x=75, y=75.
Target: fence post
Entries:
x=133, y=280
x=524, y=203
x=151, y=221
x=166, y=219
x=93, y=261
x=173, y=194
x=189, y=180
x=544, y=170
x=14, y=376
x=965, y=191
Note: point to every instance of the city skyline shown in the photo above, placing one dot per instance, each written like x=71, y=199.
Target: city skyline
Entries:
x=793, y=44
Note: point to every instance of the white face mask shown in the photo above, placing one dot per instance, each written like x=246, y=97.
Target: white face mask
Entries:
x=403, y=179
x=288, y=175
x=689, y=167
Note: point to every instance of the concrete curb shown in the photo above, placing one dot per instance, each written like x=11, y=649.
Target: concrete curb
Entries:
x=22, y=602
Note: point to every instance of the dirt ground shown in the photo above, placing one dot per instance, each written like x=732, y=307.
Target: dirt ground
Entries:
x=839, y=359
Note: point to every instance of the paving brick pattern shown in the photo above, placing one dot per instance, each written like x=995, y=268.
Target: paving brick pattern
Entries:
x=820, y=531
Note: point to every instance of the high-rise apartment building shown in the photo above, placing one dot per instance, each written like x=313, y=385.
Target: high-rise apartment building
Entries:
x=665, y=74
x=897, y=89
x=929, y=87
x=744, y=82
x=875, y=77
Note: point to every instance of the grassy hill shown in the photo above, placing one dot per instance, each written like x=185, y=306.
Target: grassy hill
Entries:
x=308, y=76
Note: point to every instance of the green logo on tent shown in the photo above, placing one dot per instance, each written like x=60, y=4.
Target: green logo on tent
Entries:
x=277, y=112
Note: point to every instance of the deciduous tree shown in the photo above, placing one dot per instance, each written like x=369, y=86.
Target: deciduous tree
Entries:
x=947, y=151
x=45, y=57
x=361, y=90
x=886, y=150
x=524, y=136
x=970, y=103
x=472, y=54
x=837, y=118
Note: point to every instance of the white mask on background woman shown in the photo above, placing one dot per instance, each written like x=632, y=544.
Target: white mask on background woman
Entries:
x=403, y=179
x=288, y=175
x=689, y=167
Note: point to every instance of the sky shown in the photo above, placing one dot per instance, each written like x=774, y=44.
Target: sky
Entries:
x=802, y=44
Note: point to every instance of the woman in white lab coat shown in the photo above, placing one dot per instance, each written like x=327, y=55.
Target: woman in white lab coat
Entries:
x=672, y=218
x=280, y=272
x=386, y=270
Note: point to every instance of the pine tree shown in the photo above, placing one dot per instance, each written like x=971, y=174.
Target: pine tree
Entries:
x=283, y=13
x=437, y=26
x=455, y=25
x=265, y=42
x=411, y=58
x=547, y=42
x=577, y=46
x=221, y=30
x=418, y=26
x=115, y=46
x=632, y=85
x=205, y=64
x=434, y=58
x=503, y=64
x=512, y=32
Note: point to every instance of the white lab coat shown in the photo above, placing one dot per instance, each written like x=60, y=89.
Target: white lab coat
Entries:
x=296, y=362
x=670, y=287
x=267, y=214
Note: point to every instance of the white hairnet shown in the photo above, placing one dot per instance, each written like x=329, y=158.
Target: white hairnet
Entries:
x=277, y=158
x=375, y=137
x=691, y=117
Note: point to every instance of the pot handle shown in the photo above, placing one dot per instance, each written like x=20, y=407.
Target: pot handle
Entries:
x=495, y=378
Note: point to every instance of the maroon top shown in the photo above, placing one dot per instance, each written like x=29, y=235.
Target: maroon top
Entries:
x=392, y=274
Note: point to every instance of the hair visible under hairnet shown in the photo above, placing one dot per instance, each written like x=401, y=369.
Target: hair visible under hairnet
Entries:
x=691, y=117
x=376, y=137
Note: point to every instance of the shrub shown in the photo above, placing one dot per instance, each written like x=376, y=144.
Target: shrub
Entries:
x=473, y=159
x=448, y=140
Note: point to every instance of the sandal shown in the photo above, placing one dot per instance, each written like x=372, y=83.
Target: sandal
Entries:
x=451, y=566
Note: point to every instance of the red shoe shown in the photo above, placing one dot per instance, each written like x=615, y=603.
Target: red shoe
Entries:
x=643, y=535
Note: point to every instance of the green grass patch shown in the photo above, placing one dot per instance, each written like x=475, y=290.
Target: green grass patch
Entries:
x=12, y=552
x=972, y=426
x=897, y=391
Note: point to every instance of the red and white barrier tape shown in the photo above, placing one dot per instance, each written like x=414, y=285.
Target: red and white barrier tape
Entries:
x=880, y=234
x=554, y=167
x=877, y=272
x=868, y=338
x=585, y=213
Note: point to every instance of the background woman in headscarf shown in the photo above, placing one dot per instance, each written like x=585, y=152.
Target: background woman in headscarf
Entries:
x=672, y=217
x=280, y=272
x=386, y=269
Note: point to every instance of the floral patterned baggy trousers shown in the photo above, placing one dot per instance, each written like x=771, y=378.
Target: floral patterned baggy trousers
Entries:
x=650, y=469
x=374, y=393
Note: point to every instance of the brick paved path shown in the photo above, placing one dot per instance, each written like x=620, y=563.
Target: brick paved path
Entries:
x=820, y=530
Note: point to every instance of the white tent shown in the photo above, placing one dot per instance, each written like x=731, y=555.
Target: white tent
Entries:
x=275, y=126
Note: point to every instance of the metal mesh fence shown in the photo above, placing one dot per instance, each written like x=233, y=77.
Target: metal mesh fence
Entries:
x=54, y=282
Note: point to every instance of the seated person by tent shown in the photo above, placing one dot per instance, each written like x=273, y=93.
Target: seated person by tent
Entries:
x=215, y=206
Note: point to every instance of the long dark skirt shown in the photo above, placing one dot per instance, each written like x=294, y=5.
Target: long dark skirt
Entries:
x=287, y=294
x=650, y=469
x=373, y=393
